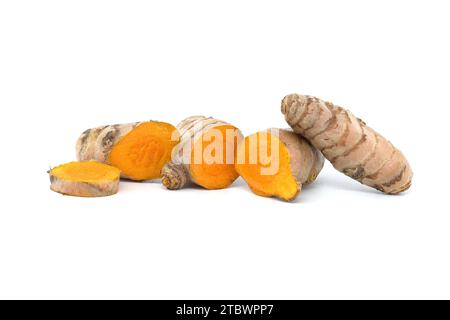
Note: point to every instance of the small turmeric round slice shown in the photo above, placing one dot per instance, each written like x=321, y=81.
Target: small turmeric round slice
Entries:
x=277, y=165
x=138, y=149
x=85, y=179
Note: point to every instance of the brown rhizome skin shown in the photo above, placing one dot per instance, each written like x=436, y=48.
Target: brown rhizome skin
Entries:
x=348, y=143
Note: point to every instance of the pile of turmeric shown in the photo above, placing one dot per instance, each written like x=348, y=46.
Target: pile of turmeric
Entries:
x=212, y=154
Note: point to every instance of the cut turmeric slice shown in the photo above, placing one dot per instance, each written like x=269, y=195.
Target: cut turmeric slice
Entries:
x=215, y=174
x=85, y=179
x=205, y=155
x=138, y=149
x=277, y=163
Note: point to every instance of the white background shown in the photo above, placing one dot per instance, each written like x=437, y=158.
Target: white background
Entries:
x=66, y=66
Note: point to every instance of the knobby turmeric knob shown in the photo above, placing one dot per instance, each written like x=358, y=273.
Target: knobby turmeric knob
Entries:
x=174, y=176
x=348, y=143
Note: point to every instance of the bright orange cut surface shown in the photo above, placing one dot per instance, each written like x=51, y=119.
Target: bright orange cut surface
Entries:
x=267, y=171
x=142, y=153
x=217, y=155
x=86, y=171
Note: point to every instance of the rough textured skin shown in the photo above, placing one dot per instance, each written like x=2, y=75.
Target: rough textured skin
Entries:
x=175, y=174
x=306, y=161
x=348, y=143
x=97, y=143
x=84, y=189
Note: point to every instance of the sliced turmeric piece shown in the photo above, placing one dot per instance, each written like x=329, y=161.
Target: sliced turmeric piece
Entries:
x=205, y=155
x=85, y=179
x=138, y=149
x=276, y=163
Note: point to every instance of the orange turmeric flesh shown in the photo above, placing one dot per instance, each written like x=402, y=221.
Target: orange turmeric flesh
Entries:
x=142, y=153
x=264, y=162
x=85, y=179
x=213, y=158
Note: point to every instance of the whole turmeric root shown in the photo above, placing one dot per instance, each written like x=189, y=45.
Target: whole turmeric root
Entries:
x=138, y=149
x=85, y=179
x=204, y=156
x=351, y=146
x=276, y=163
